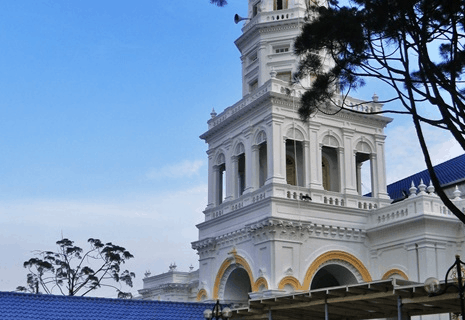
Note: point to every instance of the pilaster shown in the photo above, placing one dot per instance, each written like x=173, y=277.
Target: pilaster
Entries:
x=315, y=157
x=349, y=162
x=276, y=152
x=229, y=174
x=381, y=167
x=340, y=161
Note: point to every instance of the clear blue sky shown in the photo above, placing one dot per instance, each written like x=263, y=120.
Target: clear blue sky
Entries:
x=102, y=103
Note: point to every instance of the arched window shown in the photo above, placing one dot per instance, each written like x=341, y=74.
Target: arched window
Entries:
x=363, y=168
x=295, y=162
x=280, y=4
x=330, y=169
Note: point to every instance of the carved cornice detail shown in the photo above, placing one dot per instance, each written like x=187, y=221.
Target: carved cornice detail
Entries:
x=291, y=25
x=274, y=228
x=279, y=229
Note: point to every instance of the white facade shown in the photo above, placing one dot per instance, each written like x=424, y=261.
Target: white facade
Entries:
x=173, y=285
x=285, y=207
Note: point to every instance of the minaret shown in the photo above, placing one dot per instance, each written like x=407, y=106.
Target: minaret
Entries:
x=276, y=185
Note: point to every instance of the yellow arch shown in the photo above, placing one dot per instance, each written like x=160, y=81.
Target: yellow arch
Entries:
x=202, y=295
x=239, y=260
x=261, y=282
x=289, y=280
x=394, y=271
x=335, y=255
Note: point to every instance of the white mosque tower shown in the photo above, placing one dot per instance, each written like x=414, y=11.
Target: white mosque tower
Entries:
x=286, y=206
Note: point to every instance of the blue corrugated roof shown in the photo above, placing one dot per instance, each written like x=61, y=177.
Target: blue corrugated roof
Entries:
x=448, y=172
x=26, y=306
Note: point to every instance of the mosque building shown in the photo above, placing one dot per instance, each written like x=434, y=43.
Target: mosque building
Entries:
x=286, y=211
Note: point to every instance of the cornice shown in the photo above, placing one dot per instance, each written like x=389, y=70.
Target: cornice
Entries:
x=370, y=119
x=237, y=110
x=286, y=229
x=280, y=229
x=268, y=27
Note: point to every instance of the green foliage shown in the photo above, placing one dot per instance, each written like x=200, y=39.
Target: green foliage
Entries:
x=219, y=3
x=73, y=271
x=414, y=46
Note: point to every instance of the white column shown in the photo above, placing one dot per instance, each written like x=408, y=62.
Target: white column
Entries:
x=306, y=152
x=381, y=167
x=211, y=180
x=342, y=177
x=358, y=174
x=249, y=162
x=255, y=168
x=245, y=85
x=283, y=160
x=349, y=162
x=215, y=186
x=276, y=172
x=234, y=178
x=374, y=175
x=262, y=59
x=229, y=175
x=319, y=172
x=315, y=156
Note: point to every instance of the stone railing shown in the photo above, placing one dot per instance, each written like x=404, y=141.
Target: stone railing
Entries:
x=270, y=16
x=236, y=204
x=272, y=85
x=359, y=105
x=240, y=105
x=422, y=201
x=295, y=193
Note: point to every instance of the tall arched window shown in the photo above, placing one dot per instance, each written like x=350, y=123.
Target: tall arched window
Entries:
x=363, y=168
x=330, y=169
x=295, y=162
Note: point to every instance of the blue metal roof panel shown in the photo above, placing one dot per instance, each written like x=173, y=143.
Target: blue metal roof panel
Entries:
x=26, y=306
x=448, y=172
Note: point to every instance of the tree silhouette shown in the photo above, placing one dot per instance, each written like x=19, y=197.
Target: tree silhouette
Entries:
x=72, y=271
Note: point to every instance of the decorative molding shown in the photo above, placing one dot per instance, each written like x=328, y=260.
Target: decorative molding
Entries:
x=289, y=280
x=289, y=271
x=392, y=272
x=278, y=229
x=261, y=282
x=202, y=295
x=220, y=275
x=208, y=243
x=335, y=255
x=274, y=228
